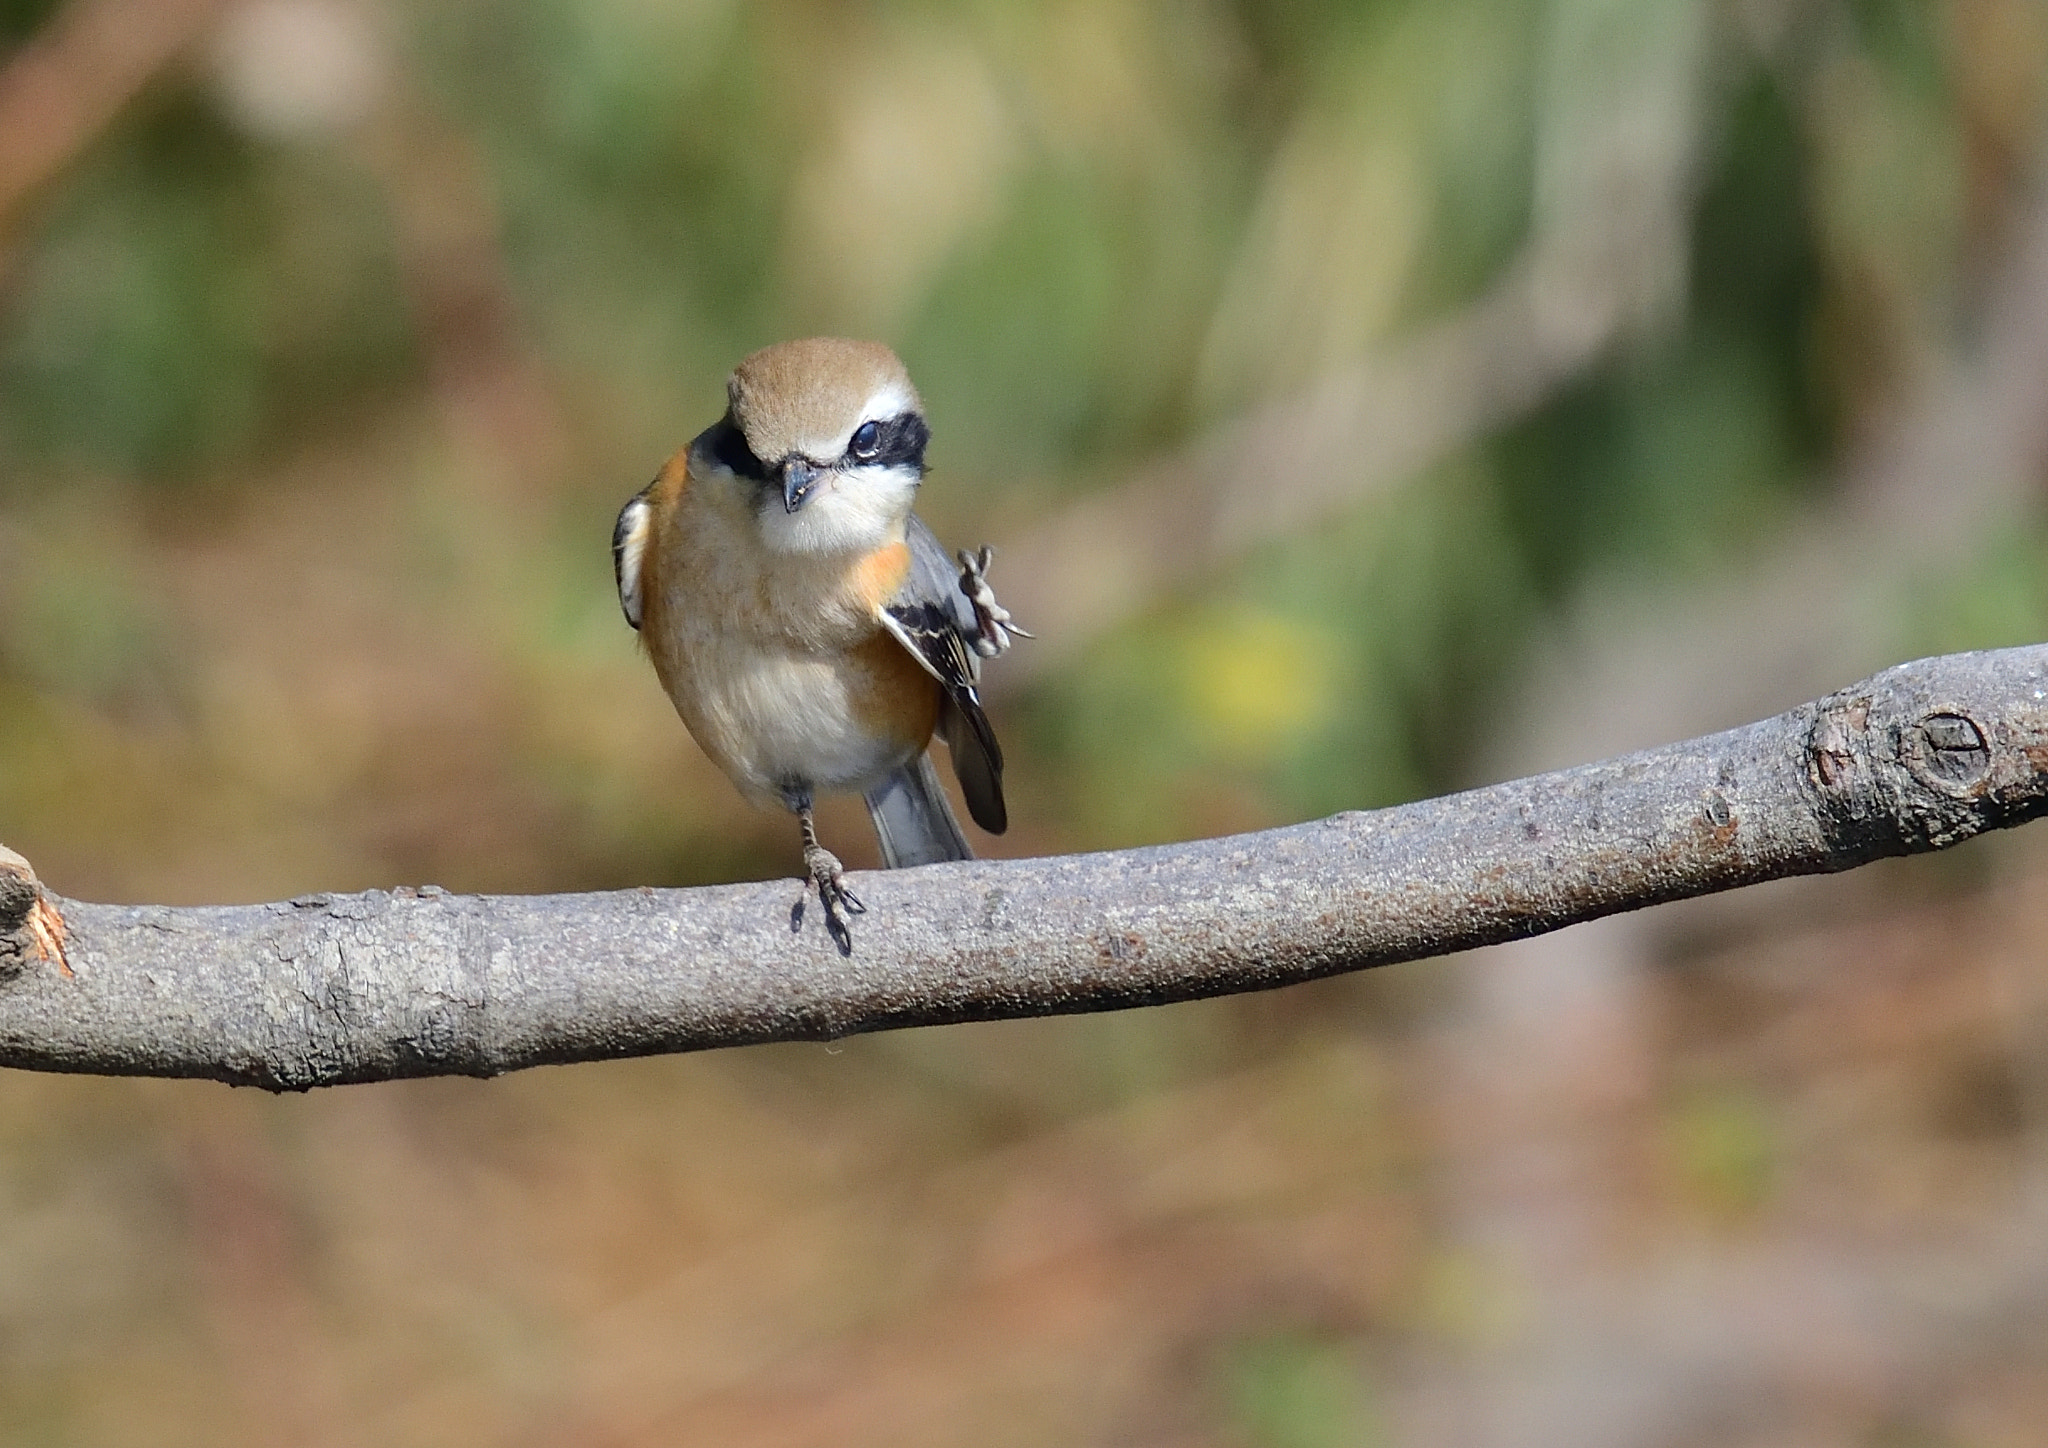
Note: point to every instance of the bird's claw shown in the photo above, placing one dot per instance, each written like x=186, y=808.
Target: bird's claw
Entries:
x=994, y=629
x=829, y=878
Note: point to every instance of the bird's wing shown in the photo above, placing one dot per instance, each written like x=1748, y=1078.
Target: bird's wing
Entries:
x=932, y=618
x=629, y=547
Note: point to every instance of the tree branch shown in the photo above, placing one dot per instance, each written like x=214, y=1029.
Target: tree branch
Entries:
x=325, y=989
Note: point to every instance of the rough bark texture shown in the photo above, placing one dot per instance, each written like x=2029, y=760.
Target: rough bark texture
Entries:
x=329, y=989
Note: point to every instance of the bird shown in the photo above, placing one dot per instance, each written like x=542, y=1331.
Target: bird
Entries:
x=807, y=625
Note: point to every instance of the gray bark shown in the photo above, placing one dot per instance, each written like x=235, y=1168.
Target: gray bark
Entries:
x=330, y=989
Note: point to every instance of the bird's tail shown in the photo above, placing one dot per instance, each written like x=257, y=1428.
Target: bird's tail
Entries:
x=912, y=819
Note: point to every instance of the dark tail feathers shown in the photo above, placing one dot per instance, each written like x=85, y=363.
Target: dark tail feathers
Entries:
x=912, y=819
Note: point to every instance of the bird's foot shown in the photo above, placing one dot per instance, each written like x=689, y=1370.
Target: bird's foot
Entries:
x=829, y=876
x=994, y=631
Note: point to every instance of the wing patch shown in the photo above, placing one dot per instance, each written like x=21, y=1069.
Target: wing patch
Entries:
x=932, y=618
x=931, y=631
x=629, y=551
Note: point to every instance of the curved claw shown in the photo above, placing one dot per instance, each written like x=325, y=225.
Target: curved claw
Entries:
x=829, y=878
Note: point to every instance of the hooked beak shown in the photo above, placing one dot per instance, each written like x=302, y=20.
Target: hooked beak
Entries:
x=799, y=476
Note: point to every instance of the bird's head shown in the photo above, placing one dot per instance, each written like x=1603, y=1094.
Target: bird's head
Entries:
x=823, y=440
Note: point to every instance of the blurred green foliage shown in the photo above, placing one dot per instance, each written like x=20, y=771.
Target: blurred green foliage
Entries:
x=1293, y=1392
x=1725, y=1149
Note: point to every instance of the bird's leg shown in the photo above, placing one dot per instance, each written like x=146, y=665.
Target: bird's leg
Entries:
x=827, y=874
x=995, y=630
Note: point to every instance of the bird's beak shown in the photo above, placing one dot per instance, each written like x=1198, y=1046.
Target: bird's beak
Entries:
x=798, y=478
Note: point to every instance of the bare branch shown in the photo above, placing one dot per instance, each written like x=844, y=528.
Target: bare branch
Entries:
x=331, y=989
x=1556, y=1039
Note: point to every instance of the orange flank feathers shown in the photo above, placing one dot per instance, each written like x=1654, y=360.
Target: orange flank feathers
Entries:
x=876, y=578
x=893, y=698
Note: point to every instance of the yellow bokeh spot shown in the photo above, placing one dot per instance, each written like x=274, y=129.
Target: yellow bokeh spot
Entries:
x=1255, y=683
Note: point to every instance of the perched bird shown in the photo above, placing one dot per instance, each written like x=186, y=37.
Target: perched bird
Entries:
x=808, y=626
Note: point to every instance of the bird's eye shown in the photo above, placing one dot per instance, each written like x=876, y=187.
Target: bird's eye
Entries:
x=867, y=440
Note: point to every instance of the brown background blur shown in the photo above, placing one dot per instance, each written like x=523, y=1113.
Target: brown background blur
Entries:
x=1366, y=400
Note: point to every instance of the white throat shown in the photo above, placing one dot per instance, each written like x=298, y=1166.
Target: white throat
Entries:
x=849, y=511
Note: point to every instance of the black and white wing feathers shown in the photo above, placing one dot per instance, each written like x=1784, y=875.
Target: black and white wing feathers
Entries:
x=937, y=623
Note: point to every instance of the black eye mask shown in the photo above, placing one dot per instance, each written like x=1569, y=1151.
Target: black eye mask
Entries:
x=898, y=442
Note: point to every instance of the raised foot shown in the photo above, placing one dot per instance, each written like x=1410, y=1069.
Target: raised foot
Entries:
x=994, y=631
x=829, y=876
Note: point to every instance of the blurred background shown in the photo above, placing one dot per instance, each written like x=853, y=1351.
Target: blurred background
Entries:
x=1365, y=399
